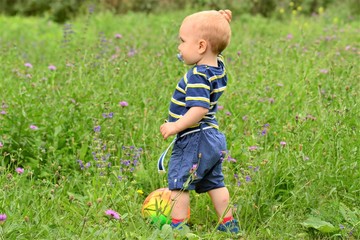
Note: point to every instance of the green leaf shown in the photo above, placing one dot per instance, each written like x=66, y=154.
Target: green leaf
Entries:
x=348, y=215
x=57, y=130
x=191, y=236
x=320, y=225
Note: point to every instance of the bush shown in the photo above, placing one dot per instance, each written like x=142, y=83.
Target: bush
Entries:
x=61, y=11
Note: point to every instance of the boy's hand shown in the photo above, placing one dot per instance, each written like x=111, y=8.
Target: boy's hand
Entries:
x=168, y=129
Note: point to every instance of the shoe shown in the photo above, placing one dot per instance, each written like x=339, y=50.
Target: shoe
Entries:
x=178, y=225
x=231, y=226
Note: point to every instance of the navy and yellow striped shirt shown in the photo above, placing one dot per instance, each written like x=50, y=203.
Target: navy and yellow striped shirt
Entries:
x=201, y=86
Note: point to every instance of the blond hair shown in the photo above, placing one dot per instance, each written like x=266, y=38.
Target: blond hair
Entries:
x=214, y=27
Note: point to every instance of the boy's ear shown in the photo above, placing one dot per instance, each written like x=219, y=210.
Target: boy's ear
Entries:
x=202, y=46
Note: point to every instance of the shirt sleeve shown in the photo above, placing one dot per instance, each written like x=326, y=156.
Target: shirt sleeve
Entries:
x=197, y=91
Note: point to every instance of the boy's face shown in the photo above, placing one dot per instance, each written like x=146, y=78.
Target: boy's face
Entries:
x=189, y=44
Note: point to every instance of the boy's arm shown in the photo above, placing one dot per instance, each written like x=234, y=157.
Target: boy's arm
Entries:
x=193, y=116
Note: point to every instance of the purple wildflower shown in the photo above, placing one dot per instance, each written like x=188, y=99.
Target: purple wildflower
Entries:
x=244, y=118
x=3, y=112
x=193, y=168
x=123, y=104
x=289, y=36
x=220, y=107
x=247, y=178
x=253, y=148
x=236, y=176
x=110, y=115
x=324, y=71
x=1, y=144
x=132, y=52
x=81, y=164
x=283, y=144
x=51, y=67
x=97, y=128
x=2, y=217
x=228, y=113
x=112, y=214
x=231, y=159
x=34, y=127
x=28, y=65
x=19, y=170
x=118, y=36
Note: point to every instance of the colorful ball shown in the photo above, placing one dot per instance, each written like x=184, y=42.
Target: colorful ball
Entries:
x=157, y=207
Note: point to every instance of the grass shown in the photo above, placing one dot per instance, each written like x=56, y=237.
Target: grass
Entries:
x=290, y=115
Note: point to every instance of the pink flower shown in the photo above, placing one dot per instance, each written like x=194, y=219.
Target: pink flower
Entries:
x=112, y=214
x=28, y=65
x=289, y=36
x=19, y=170
x=282, y=143
x=253, y=148
x=2, y=217
x=193, y=168
x=1, y=144
x=123, y=104
x=118, y=36
x=220, y=107
x=51, y=67
x=3, y=112
x=324, y=71
x=33, y=127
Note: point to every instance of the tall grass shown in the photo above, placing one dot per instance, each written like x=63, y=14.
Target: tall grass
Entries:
x=82, y=104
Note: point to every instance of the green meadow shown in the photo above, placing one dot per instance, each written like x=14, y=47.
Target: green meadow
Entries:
x=82, y=103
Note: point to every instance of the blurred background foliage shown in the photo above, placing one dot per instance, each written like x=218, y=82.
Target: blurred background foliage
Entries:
x=62, y=10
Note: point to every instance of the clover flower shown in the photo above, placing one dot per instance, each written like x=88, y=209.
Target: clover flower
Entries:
x=51, y=67
x=253, y=148
x=34, y=127
x=283, y=144
x=19, y=170
x=28, y=65
x=112, y=214
x=2, y=218
x=324, y=71
x=118, y=36
x=123, y=104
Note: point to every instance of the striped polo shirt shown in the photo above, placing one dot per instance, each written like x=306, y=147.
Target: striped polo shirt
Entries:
x=201, y=86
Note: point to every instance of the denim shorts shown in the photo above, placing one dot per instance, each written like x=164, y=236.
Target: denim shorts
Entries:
x=196, y=161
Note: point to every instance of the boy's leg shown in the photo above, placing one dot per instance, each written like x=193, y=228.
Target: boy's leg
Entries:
x=181, y=204
x=220, y=199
